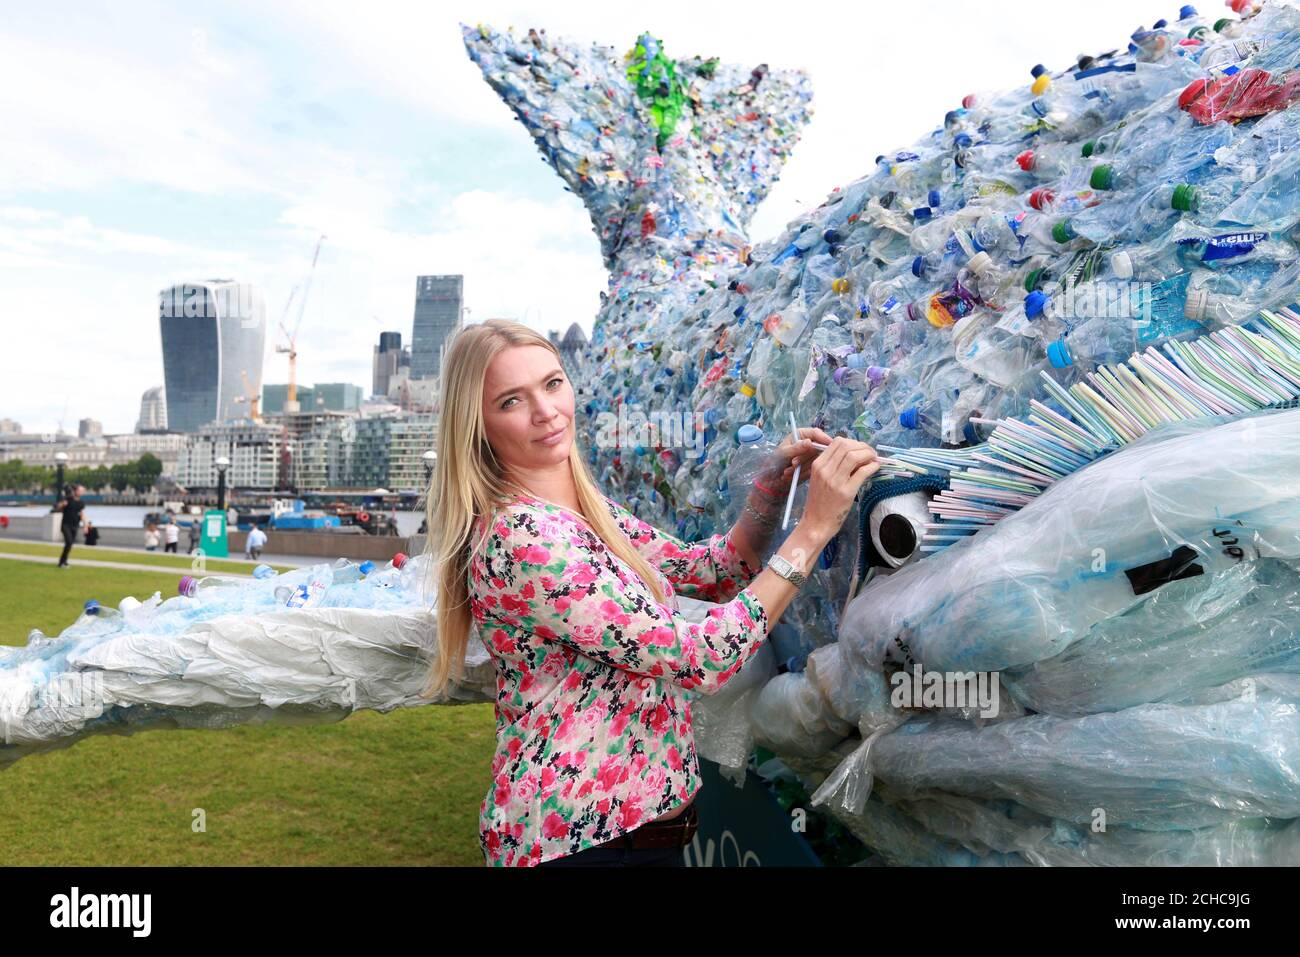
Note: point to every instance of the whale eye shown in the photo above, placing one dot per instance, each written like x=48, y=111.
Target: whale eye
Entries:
x=897, y=526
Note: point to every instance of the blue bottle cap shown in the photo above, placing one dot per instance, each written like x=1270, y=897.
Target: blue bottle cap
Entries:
x=710, y=416
x=1058, y=353
x=910, y=418
x=1037, y=71
x=922, y=214
x=92, y=607
x=1185, y=11
x=963, y=141
x=639, y=450
x=934, y=199
x=918, y=266
x=748, y=433
x=367, y=567
x=1160, y=24
x=1035, y=302
x=856, y=360
x=1132, y=48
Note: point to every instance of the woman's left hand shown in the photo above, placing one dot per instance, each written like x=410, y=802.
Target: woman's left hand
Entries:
x=790, y=455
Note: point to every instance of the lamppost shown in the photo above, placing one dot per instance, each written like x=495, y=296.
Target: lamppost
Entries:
x=61, y=458
x=222, y=464
x=430, y=460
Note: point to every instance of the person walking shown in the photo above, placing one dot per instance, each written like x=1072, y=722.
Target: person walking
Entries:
x=194, y=534
x=574, y=597
x=72, y=507
x=151, y=537
x=256, y=540
x=171, y=535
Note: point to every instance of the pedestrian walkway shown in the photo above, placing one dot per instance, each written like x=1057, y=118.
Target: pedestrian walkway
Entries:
x=92, y=563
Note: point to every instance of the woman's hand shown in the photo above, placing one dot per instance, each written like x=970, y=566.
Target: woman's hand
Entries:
x=778, y=471
x=837, y=474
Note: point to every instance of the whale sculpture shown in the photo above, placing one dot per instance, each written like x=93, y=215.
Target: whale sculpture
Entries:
x=1106, y=537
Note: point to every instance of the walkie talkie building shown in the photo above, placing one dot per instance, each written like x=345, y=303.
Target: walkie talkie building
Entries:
x=213, y=334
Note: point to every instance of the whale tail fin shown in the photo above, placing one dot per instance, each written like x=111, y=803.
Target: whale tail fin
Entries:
x=605, y=121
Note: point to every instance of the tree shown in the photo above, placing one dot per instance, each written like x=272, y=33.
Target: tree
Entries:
x=119, y=477
x=149, y=466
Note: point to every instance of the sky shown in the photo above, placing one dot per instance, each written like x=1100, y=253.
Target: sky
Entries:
x=144, y=144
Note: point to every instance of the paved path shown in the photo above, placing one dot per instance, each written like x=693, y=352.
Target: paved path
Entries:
x=76, y=561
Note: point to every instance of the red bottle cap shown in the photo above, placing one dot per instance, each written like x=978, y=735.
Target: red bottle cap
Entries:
x=399, y=560
x=1026, y=160
x=1041, y=197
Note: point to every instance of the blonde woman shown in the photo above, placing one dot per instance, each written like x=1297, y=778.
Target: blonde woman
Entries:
x=573, y=597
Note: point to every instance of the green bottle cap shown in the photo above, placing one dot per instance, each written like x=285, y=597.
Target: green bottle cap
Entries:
x=1198, y=33
x=1102, y=177
x=1031, y=281
x=1063, y=232
x=1184, y=197
x=1220, y=24
x=1089, y=147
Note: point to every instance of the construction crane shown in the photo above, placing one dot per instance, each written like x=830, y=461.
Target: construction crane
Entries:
x=251, y=396
x=290, y=344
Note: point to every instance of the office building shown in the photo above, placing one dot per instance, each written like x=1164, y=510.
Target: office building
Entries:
x=90, y=429
x=153, y=412
x=254, y=450
x=338, y=396
x=385, y=363
x=213, y=339
x=276, y=394
x=438, y=302
x=324, y=455
x=321, y=397
x=571, y=346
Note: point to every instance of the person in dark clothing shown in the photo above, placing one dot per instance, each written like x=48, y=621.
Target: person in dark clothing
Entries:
x=71, y=506
x=194, y=533
x=91, y=535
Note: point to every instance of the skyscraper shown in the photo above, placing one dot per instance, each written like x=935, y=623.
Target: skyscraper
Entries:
x=438, y=301
x=153, y=411
x=387, y=358
x=213, y=336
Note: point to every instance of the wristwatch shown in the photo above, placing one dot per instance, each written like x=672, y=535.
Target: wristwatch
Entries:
x=786, y=570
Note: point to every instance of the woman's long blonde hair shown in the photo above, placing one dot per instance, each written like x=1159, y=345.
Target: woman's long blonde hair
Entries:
x=468, y=482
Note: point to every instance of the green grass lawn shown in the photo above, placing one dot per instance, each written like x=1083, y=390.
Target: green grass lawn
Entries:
x=100, y=554
x=398, y=788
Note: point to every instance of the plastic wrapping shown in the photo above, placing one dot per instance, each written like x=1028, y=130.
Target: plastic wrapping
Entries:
x=1027, y=588
x=1229, y=753
x=232, y=657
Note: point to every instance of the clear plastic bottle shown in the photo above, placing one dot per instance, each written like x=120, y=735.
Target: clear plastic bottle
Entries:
x=309, y=593
x=191, y=587
x=346, y=571
x=753, y=451
x=1100, y=341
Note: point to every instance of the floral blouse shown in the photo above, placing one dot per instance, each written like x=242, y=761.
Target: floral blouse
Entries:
x=594, y=733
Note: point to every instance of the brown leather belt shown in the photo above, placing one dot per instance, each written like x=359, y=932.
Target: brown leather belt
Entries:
x=676, y=832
